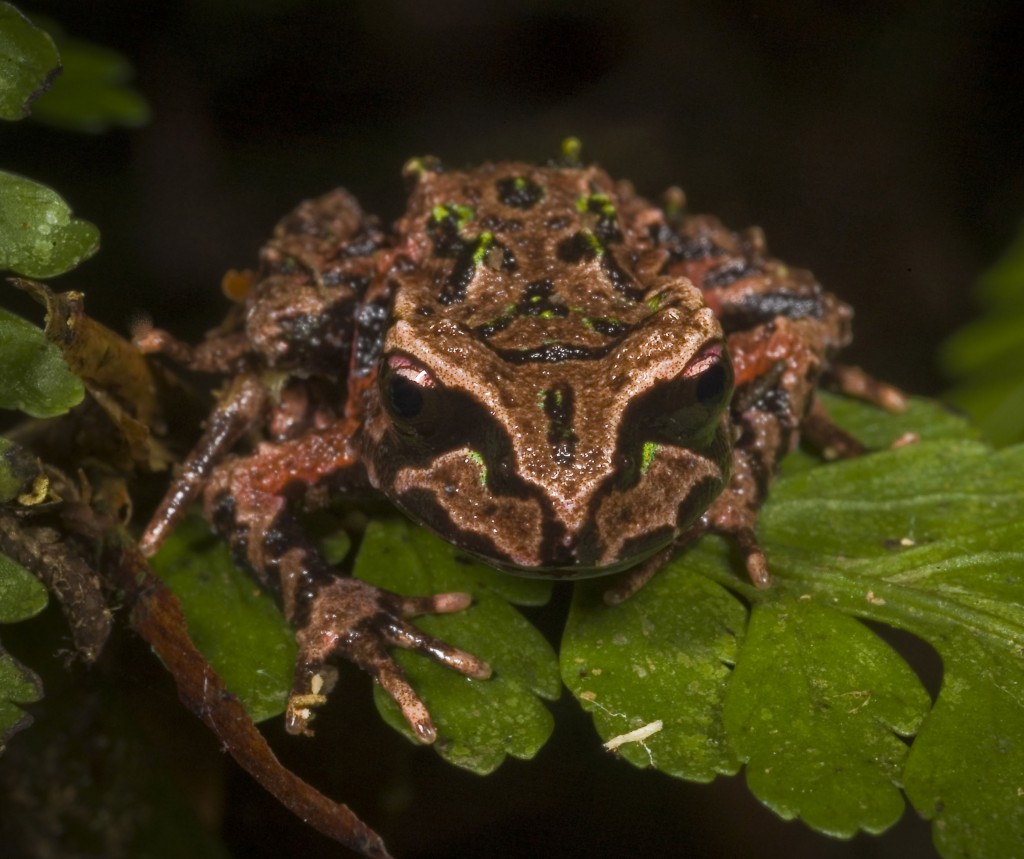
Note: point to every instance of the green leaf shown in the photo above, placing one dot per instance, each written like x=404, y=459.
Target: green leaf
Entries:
x=661, y=657
x=232, y=622
x=478, y=722
x=33, y=375
x=28, y=63
x=998, y=403
x=929, y=538
x=937, y=552
x=966, y=769
x=18, y=685
x=814, y=708
x=21, y=596
x=38, y=236
x=93, y=92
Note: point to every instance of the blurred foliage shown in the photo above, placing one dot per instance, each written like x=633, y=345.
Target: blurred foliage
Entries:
x=986, y=357
x=84, y=87
x=88, y=781
x=94, y=92
x=28, y=63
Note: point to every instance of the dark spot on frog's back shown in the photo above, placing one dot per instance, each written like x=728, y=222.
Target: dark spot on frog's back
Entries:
x=728, y=273
x=371, y=319
x=537, y=300
x=456, y=284
x=757, y=308
x=364, y=245
x=519, y=192
x=315, y=340
x=610, y=327
x=619, y=279
x=560, y=407
x=554, y=353
x=578, y=247
x=341, y=276
x=693, y=248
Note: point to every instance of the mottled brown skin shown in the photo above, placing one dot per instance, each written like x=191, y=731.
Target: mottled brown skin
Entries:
x=536, y=363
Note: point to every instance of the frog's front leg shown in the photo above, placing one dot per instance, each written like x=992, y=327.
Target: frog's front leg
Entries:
x=333, y=614
x=778, y=366
x=237, y=411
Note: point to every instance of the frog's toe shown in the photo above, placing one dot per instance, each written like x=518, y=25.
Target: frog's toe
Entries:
x=437, y=604
x=361, y=623
x=409, y=637
x=393, y=680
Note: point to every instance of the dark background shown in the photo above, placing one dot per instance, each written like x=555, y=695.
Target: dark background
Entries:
x=878, y=144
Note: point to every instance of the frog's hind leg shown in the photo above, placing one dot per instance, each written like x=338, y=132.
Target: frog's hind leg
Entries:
x=240, y=407
x=827, y=437
x=831, y=440
x=854, y=382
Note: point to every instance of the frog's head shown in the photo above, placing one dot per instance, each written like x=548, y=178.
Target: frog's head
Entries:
x=568, y=458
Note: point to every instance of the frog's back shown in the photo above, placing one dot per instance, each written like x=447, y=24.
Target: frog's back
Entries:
x=525, y=255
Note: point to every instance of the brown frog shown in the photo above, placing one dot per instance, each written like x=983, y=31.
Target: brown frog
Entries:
x=545, y=369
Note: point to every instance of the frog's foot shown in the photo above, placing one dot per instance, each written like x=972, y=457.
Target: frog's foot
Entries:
x=361, y=622
x=754, y=560
x=732, y=521
x=854, y=382
x=218, y=354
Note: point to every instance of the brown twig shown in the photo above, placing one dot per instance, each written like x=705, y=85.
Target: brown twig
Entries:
x=42, y=550
x=156, y=616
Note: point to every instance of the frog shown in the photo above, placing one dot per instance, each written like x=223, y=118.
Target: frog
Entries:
x=552, y=373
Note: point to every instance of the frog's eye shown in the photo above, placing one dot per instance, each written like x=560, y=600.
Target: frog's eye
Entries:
x=687, y=407
x=407, y=389
x=710, y=373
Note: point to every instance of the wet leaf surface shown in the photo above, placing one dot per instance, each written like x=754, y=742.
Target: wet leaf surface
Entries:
x=928, y=538
x=38, y=235
x=33, y=376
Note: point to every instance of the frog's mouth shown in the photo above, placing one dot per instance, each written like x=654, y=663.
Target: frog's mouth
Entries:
x=528, y=530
